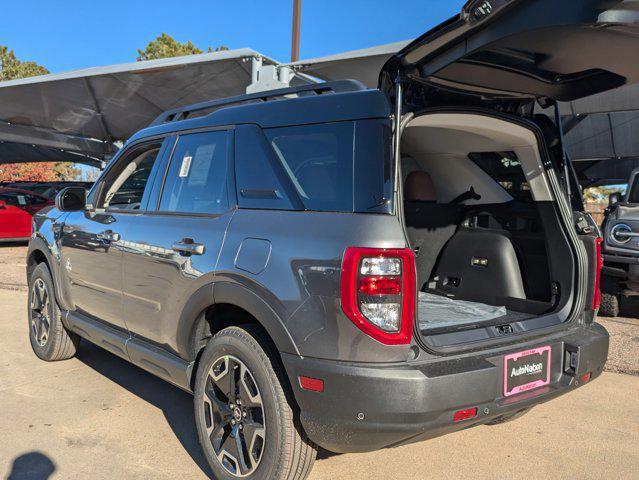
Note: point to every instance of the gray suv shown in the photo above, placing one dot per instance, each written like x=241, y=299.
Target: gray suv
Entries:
x=349, y=268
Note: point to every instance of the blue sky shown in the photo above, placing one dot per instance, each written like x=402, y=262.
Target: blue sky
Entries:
x=70, y=34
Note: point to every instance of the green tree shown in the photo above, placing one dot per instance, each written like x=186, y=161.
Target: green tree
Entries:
x=11, y=68
x=166, y=46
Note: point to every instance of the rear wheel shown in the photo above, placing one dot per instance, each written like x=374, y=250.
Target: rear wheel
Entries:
x=246, y=423
x=609, y=305
x=49, y=339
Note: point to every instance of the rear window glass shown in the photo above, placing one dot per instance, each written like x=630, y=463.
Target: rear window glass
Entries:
x=505, y=169
x=318, y=159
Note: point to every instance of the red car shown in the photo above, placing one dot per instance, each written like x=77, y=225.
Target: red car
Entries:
x=16, y=209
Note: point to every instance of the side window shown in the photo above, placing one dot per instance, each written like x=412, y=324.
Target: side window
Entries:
x=318, y=159
x=196, y=181
x=127, y=189
x=261, y=183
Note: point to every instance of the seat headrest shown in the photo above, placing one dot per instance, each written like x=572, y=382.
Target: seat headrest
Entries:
x=419, y=187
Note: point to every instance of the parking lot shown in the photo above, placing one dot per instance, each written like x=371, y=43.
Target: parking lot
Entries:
x=96, y=416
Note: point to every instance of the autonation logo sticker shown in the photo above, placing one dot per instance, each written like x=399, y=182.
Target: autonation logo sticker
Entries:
x=529, y=369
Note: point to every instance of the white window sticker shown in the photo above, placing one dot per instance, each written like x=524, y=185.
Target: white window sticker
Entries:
x=22, y=200
x=186, y=166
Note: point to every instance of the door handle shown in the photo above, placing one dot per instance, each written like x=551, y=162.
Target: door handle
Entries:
x=188, y=247
x=108, y=236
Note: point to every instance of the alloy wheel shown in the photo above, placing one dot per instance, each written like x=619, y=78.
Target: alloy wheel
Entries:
x=40, y=312
x=234, y=416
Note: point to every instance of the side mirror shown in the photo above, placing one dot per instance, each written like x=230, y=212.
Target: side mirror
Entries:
x=614, y=198
x=3, y=204
x=71, y=199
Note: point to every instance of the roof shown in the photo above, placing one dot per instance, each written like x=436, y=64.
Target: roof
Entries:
x=358, y=103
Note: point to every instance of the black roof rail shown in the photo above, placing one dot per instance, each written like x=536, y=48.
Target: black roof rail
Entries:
x=182, y=113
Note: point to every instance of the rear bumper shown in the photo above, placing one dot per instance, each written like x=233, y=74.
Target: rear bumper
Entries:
x=365, y=407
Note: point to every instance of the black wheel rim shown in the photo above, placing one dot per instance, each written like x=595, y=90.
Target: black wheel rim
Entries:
x=234, y=416
x=40, y=312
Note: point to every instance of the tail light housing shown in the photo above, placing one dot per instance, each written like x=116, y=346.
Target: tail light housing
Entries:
x=378, y=292
x=596, y=297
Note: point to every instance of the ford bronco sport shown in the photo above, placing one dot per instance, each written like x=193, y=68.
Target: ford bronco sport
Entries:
x=351, y=268
x=620, y=273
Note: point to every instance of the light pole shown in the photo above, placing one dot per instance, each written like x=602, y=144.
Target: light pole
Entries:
x=297, y=20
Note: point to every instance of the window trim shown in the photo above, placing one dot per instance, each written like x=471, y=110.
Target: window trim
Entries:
x=107, y=177
x=230, y=175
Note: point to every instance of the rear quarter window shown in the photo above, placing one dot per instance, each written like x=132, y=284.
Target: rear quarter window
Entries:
x=318, y=159
x=338, y=167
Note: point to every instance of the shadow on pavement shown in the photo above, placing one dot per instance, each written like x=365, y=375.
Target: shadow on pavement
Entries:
x=8, y=244
x=176, y=404
x=31, y=466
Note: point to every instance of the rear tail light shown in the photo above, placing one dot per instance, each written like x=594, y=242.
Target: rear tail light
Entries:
x=378, y=292
x=596, y=298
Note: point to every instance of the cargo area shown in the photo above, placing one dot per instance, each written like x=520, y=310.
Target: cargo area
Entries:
x=491, y=251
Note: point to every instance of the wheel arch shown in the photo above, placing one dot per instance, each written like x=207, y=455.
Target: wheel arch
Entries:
x=221, y=304
x=40, y=252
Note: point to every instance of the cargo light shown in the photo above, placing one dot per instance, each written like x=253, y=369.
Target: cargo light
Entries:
x=466, y=414
x=312, y=384
x=596, y=298
x=377, y=292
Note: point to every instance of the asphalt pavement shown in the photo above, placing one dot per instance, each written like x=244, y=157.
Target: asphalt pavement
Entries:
x=98, y=417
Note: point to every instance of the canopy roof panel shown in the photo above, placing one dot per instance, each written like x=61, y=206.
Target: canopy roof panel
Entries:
x=113, y=102
x=363, y=65
x=11, y=152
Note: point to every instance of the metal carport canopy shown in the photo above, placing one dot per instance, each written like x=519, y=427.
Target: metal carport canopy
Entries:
x=602, y=142
x=363, y=65
x=77, y=116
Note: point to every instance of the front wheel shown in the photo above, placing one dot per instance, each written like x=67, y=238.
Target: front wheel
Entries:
x=245, y=419
x=50, y=340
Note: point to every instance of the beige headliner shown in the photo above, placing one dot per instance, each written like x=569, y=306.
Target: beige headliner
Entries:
x=450, y=137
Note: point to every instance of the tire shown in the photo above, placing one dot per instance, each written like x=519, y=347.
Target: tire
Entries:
x=510, y=417
x=269, y=422
x=609, y=305
x=49, y=339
